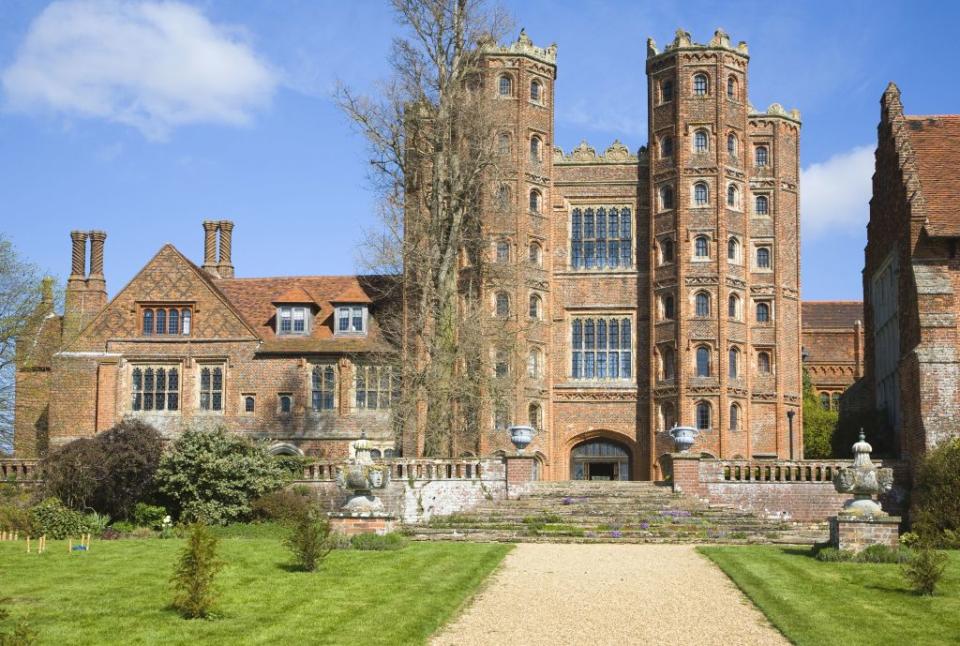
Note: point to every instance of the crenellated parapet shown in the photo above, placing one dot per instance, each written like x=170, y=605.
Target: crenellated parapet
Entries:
x=776, y=111
x=524, y=46
x=584, y=153
x=683, y=41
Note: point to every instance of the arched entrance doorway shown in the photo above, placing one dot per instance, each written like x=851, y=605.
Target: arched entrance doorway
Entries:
x=600, y=459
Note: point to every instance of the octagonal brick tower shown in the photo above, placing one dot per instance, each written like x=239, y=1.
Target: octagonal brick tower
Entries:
x=725, y=274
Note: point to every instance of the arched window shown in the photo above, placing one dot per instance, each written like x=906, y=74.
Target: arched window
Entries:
x=375, y=454
x=666, y=250
x=666, y=198
x=535, y=415
x=760, y=156
x=503, y=143
x=733, y=307
x=249, y=404
x=535, y=201
x=666, y=91
x=703, y=416
x=668, y=361
x=733, y=249
x=762, y=205
x=505, y=86
x=503, y=305
x=701, y=247
x=700, y=141
x=536, y=254
x=825, y=401
x=702, y=304
x=286, y=404
x=668, y=307
x=733, y=196
x=666, y=147
x=536, y=91
x=535, y=364
x=763, y=363
x=535, y=150
x=732, y=145
x=147, y=322
x=734, y=417
x=667, y=416
x=835, y=401
x=700, y=196
x=734, y=363
x=763, y=258
x=503, y=251
x=700, y=85
x=731, y=87
x=763, y=312
x=503, y=197
x=703, y=361
x=536, y=307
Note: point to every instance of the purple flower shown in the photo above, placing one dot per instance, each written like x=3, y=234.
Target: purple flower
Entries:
x=644, y=525
x=615, y=534
x=568, y=501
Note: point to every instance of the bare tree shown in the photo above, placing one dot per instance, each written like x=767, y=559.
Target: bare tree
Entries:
x=431, y=132
x=20, y=298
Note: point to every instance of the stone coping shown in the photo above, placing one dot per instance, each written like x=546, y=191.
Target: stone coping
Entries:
x=874, y=520
x=363, y=514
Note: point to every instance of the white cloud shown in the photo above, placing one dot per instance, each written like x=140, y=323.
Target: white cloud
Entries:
x=151, y=65
x=835, y=194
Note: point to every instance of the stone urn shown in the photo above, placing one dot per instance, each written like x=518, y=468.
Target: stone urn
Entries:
x=521, y=436
x=864, y=480
x=683, y=437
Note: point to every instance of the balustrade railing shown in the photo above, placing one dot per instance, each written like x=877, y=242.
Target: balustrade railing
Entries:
x=805, y=471
x=19, y=470
x=403, y=469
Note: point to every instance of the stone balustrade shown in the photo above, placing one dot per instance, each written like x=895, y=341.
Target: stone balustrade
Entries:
x=19, y=470
x=415, y=469
x=812, y=471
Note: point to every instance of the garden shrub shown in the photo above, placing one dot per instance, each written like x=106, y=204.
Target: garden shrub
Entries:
x=309, y=540
x=52, y=519
x=884, y=554
x=291, y=464
x=151, y=516
x=936, y=496
x=108, y=473
x=211, y=475
x=193, y=579
x=284, y=506
x=833, y=555
x=15, y=518
x=123, y=526
x=379, y=542
x=97, y=522
x=924, y=570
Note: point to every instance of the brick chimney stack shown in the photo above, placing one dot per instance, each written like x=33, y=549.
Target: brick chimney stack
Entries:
x=96, y=297
x=76, y=285
x=225, y=266
x=210, y=247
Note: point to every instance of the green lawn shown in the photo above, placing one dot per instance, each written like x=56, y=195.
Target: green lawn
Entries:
x=842, y=603
x=119, y=593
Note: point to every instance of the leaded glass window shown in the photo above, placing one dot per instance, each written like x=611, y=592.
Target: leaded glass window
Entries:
x=762, y=205
x=702, y=301
x=700, y=85
x=763, y=312
x=211, y=388
x=703, y=361
x=375, y=387
x=703, y=416
x=760, y=156
x=506, y=86
x=601, y=348
x=700, y=142
x=601, y=238
x=155, y=388
x=324, y=388
x=700, y=195
x=701, y=248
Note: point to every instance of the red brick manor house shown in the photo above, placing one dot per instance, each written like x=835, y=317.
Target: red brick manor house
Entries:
x=663, y=288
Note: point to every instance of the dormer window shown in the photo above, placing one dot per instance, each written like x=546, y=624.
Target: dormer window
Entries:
x=293, y=319
x=351, y=319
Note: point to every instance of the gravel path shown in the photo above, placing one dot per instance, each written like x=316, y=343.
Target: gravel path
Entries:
x=609, y=594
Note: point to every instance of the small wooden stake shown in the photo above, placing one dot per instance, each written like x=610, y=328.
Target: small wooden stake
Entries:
x=28, y=544
x=70, y=546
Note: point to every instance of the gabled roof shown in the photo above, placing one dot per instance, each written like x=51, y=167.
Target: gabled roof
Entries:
x=256, y=298
x=936, y=145
x=831, y=314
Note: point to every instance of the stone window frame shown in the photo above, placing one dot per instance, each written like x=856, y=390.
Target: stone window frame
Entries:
x=733, y=242
x=666, y=90
x=695, y=147
x=176, y=394
x=702, y=304
x=695, y=82
x=535, y=149
x=665, y=146
x=248, y=404
x=502, y=363
x=696, y=356
x=292, y=309
x=501, y=304
x=734, y=362
x=771, y=367
x=149, y=309
x=510, y=93
x=505, y=136
x=535, y=202
x=503, y=197
x=663, y=350
x=701, y=408
x=535, y=254
x=289, y=396
x=756, y=246
x=607, y=315
x=578, y=210
x=663, y=419
x=757, y=302
x=535, y=363
x=333, y=391
x=733, y=88
x=737, y=302
x=535, y=306
x=502, y=251
x=212, y=391
x=666, y=306
x=736, y=416
x=701, y=235
x=535, y=416
x=392, y=389
x=757, y=197
x=664, y=244
x=542, y=83
x=351, y=311
x=664, y=204
x=765, y=147
x=694, y=204
x=733, y=139
x=737, y=197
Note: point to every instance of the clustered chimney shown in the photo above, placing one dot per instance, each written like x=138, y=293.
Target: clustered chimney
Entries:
x=86, y=293
x=218, y=266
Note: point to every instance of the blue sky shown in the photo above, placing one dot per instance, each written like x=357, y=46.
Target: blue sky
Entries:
x=104, y=124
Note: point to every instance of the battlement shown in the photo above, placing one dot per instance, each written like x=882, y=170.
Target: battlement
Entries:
x=682, y=40
x=523, y=46
x=776, y=110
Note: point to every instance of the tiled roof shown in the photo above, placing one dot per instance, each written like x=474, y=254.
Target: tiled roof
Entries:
x=831, y=314
x=256, y=298
x=936, y=144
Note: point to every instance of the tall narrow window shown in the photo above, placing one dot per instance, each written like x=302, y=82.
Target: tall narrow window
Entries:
x=732, y=145
x=286, y=320
x=700, y=195
x=835, y=401
x=825, y=401
x=286, y=404
x=173, y=321
x=700, y=141
x=763, y=258
x=703, y=361
x=503, y=143
x=733, y=196
x=734, y=417
x=763, y=363
x=733, y=307
x=535, y=415
x=669, y=362
x=668, y=417
x=502, y=304
x=535, y=199
x=147, y=322
x=700, y=85
x=701, y=248
x=666, y=250
x=187, y=319
x=762, y=205
x=535, y=364
x=703, y=416
x=601, y=348
x=733, y=250
x=154, y=388
x=666, y=147
x=249, y=404
x=211, y=388
x=666, y=91
x=702, y=300
x=324, y=388
x=763, y=312
x=666, y=198
x=503, y=251
x=161, y=321
x=731, y=88
x=760, y=156
x=669, y=312
x=299, y=320
x=505, y=86
x=536, y=307
x=536, y=93
x=535, y=150
x=375, y=387
x=734, y=363
x=536, y=254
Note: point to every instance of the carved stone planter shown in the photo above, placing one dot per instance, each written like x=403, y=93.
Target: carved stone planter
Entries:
x=683, y=437
x=521, y=436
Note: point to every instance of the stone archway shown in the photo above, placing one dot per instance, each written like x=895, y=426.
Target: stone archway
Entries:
x=601, y=457
x=284, y=448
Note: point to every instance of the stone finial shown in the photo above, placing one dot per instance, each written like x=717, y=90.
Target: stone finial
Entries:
x=795, y=114
x=742, y=48
x=720, y=39
x=523, y=39
x=651, y=47
x=682, y=39
x=864, y=480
